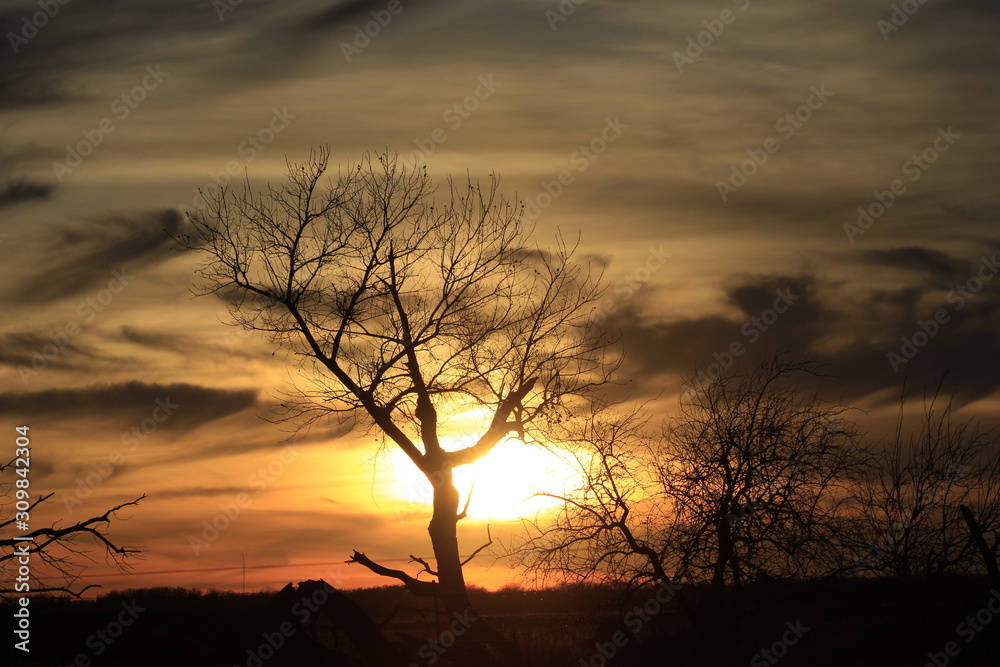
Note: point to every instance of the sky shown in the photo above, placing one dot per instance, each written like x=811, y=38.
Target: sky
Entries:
x=751, y=175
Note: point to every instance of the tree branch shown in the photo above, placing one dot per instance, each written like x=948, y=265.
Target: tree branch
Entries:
x=499, y=427
x=476, y=552
x=414, y=585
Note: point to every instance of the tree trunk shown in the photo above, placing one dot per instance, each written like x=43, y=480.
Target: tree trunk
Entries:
x=443, y=530
x=723, y=558
x=989, y=558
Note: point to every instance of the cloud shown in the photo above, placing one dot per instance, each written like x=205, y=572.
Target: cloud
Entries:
x=927, y=260
x=680, y=345
x=156, y=340
x=341, y=13
x=15, y=187
x=20, y=190
x=20, y=349
x=257, y=40
x=849, y=326
x=134, y=401
x=85, y=255
x=201, y=492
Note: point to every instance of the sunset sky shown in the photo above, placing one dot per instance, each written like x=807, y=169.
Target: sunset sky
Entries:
x=714, y=158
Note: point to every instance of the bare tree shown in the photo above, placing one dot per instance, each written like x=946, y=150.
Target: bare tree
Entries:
x=746, y=482
x=758, y=468
x=596, y=532
x=53, y=554
x=404, y=310
x=909, y=518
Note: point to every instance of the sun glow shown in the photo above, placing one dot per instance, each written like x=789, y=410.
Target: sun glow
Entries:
x=503, y=485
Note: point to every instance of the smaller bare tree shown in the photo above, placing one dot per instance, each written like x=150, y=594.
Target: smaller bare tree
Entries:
x=909, y=518
x=746, y=482
x=610, y=527
x=55, y=553
x=758, y=468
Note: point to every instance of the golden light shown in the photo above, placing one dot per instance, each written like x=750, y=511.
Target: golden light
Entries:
x=503, y=485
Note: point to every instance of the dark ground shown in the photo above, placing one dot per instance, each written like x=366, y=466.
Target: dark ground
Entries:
x=859, y=622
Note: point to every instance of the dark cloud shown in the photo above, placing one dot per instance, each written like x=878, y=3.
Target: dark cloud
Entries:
x=15, y=187
x=272, y=536
x=190, y=406
x=232, y=342
x=927, y=260
x=340, y=13
x=793, y=294
x=157, y=340
x=202, y=492
x=218, y=50
x=681, y=345
x=20, y=190
x=849, y=328
x=21, y=349
x=85, y=256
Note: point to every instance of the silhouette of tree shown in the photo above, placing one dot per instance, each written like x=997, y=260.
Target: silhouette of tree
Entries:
x=758, y=469
x=55, y=552
x=404, y=309
x=596, y=534
x=909, y=514
x=746, y=482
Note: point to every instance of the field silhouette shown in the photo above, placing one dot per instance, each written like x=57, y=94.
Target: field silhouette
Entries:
x=847, y=622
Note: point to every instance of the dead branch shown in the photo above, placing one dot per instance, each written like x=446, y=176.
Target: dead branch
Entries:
x=414, y=585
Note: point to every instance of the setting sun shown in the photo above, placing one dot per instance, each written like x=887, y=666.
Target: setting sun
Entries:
x=503, y=484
